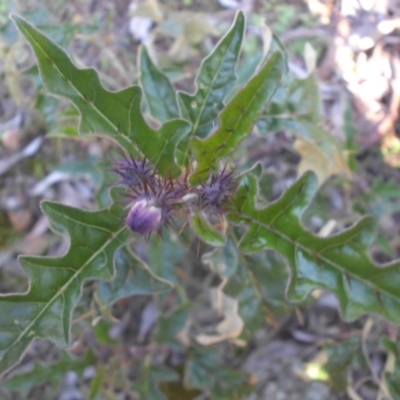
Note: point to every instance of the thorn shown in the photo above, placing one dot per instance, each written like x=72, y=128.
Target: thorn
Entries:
x=183, y=227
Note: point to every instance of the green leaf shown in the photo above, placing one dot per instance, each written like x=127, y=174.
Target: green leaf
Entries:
x=40, y=372
x=304, y=100
x=204, y=371
x=341, y=357
x=238, y=118
x=102, y=330
x=215, y=79
x=133, y=277
x=392, y=368
x=88, y=168
x=259, y=286
x=258, y=283
x=382, y=198
x=340, y=263
x=45, y=310
x=96, y=384
x=351, y=132
x=206, y=232
x=117, y=114
x=224, y=261
x=153, y=375
x=170, y=325
x=164, y=255
x=158, y=90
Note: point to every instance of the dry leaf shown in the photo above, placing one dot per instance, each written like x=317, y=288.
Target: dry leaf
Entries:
x=230, y=328
x=266, y=34
x=192, y=29
x=315, y=159
x=310, y=58
x=148, y=9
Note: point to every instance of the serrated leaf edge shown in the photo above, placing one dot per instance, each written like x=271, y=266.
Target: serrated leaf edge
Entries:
x=359, y=228
x=22, y=259
x=239, y=14
x=17, y=19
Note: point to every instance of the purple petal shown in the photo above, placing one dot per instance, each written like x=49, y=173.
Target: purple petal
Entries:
x=143, y=217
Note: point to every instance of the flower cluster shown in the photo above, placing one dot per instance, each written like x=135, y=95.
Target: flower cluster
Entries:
x=154, y=200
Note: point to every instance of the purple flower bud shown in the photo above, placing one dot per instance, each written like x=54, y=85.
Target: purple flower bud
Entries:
x=143, y=217
x=217, y=191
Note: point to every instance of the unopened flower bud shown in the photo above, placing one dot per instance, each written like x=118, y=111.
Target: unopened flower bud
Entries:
x=143, y=217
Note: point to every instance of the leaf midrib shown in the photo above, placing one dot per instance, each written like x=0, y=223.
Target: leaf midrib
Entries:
x=65, y=286
x=231, y=130
x=93, y=106
x=197, y=121
x=311, y=252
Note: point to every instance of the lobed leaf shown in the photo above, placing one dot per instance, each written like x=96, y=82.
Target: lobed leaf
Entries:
x=117, y=114
x=214, y=81
x=238, y=118
x=340, y=263
x=45, y=310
